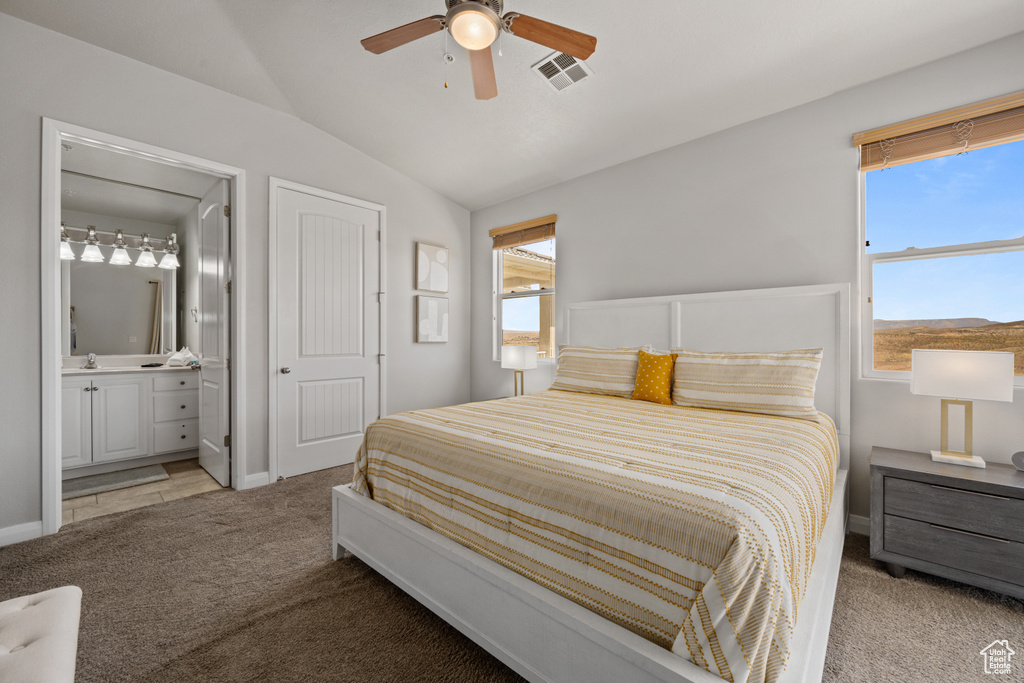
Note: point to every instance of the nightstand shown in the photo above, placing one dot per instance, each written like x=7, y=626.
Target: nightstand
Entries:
x=958, y=522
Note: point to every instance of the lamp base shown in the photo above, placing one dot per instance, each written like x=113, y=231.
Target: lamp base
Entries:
x=958, y=459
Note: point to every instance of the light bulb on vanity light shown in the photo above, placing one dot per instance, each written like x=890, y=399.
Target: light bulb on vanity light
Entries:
x=170, y=258
x=146, y=258
x=120, y=256
x=66, y=254
x=92, y=253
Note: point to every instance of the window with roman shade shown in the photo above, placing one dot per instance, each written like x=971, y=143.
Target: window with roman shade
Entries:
x=524, y=285
x=944, y=234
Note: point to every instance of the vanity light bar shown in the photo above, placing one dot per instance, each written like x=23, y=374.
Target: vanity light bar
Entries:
x=94, y=238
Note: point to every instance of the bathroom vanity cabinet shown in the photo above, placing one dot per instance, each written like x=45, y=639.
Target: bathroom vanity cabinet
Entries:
x=127, y=414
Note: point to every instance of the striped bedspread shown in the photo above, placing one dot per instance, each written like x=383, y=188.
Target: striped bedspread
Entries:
x=694, y=528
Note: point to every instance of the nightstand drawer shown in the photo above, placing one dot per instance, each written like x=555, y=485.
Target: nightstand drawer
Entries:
x=982, y=555
x=981, y=513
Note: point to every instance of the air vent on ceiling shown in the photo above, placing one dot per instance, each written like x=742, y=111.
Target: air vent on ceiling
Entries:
x=562, y=71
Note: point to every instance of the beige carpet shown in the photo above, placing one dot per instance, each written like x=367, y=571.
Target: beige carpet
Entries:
x=239, y=586
x=918, y=628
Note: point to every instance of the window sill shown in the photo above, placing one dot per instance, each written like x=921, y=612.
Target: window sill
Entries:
x=904, y=378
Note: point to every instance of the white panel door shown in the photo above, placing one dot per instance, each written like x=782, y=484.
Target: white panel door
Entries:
x=328, y=327
x=214, y=334
x=120, y=417
x=76, y=422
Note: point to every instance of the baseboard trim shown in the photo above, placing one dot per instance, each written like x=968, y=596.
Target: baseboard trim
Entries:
x=20, y=532
x=251, y=481
x=859, y=525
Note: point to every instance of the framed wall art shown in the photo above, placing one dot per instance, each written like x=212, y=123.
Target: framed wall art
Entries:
x=431, y=268
x=431, y=318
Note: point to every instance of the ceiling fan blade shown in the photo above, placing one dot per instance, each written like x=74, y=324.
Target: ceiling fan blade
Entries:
x=389, y=40
x=574, y=43
x=485, y=86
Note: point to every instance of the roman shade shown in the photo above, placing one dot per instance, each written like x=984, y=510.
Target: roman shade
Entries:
x=974, y=126
x=518, y=234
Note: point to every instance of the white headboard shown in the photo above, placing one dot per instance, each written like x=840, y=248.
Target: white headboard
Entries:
x=749, y=320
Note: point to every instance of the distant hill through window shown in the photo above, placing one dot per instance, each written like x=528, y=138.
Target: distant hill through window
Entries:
x=895, y=339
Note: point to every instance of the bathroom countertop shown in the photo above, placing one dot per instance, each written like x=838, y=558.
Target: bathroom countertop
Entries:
x=118, y=370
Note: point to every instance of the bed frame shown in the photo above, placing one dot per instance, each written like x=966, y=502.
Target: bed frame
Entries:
x=540, y=634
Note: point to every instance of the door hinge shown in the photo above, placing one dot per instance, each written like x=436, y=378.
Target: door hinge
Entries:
x=228, y=285
x=229, y=363
x=227, y=211
x=227, y=441
x=381, y=357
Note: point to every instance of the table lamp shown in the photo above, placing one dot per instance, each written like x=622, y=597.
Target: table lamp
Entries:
x=960, y=377
x=519, y=358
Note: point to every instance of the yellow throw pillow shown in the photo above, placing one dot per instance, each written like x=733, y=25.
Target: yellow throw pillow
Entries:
x=654, y=378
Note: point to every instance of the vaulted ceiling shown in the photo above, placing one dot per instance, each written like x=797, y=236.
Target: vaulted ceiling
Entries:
x=665, y=72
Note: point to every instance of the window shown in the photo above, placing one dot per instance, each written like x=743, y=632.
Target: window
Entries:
x=524, y=286
x=944, y=248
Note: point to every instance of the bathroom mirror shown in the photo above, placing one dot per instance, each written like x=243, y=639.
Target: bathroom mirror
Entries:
x=127, y=309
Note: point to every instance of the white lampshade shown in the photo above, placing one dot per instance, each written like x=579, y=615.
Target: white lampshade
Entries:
x=964, y=375
x=66, y=254
x=169, y=261
x=473, y=26
x=146, y=259
x=519, y=357
x=120, y=257
x=92, y=254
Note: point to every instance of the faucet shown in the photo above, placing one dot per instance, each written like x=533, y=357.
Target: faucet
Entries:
x=90, y=363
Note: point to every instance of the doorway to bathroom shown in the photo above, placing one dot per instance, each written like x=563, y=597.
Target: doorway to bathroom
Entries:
x=138, y=306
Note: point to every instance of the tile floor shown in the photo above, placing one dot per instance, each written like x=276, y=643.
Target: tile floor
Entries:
x=187, y=478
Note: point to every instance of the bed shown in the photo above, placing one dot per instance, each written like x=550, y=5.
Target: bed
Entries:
x=602, y=633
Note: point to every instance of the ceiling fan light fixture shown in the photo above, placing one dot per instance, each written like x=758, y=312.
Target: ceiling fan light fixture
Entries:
x=473, y=26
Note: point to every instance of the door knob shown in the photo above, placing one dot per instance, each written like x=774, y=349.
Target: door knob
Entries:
x=285, y=371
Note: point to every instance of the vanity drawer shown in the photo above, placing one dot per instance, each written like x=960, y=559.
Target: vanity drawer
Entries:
x=983, y=555
x=175, y=381
x=959, y=508
x=175, y=436
x=178, y=405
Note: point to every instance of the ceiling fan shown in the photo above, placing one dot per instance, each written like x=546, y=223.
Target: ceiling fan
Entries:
x=474, y=24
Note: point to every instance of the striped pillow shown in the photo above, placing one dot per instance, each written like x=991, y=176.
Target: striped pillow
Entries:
x=593, y=370
x=772, y=382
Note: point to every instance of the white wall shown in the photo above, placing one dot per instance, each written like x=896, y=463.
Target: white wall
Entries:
x=43, y=73
x=770, y=203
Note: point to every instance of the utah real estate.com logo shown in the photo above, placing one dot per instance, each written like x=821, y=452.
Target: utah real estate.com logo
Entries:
x=997, y=657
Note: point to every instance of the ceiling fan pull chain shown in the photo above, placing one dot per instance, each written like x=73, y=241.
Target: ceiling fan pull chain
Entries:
x=448, y=59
